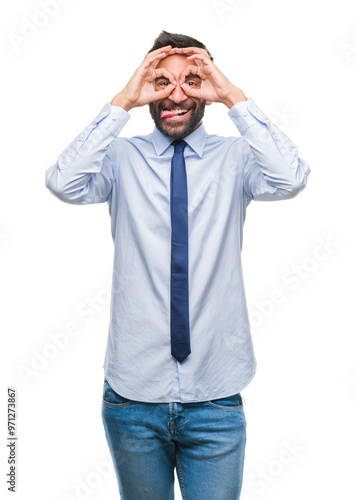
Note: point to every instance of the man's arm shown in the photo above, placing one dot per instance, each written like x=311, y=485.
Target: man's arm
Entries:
x=85, y=171
x=272, y=169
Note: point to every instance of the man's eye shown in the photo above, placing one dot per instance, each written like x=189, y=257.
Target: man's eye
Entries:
x=191, y=83
x=162, y=83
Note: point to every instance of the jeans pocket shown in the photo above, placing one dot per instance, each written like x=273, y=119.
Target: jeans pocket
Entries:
x=233, y=402
x=112, y=399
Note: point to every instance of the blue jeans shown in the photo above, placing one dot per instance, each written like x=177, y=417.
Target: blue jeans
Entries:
x=205, y=441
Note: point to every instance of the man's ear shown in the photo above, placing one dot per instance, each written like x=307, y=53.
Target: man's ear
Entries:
x=208, y=103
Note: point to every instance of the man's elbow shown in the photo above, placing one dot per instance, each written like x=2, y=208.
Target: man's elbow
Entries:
x=52, y=183
x=63, y=191
x=295, y=183
x=300, y=178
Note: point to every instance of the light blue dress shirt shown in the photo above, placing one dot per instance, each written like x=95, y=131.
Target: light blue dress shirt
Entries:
x=133, y=176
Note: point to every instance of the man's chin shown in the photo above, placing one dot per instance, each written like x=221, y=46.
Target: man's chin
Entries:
x=168, y=125
x=173, y=129
x=174, y=125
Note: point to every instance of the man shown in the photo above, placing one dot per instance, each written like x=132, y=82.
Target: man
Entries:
x=179, y=346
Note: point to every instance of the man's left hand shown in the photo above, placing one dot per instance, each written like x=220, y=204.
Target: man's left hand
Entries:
x=215, y=87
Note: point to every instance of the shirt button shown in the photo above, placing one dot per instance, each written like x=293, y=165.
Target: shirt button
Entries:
x=113, y=117
x=245, y=114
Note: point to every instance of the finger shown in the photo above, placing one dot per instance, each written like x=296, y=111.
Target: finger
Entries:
x=153, y=60
x=165, y=92
x=200, y=57
x=156, y=59
x=158, y=51
x=195, y=70
x=167, y=74
x=172, y=51
x=192, y=50
x=156, y=56
x=191, y=91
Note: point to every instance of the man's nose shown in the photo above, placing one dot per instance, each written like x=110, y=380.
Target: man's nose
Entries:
x=177, y=95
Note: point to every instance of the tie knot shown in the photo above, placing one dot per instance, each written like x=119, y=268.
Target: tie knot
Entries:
x=179, y=145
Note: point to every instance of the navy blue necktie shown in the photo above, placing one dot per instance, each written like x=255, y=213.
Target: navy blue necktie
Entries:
x=180, y=337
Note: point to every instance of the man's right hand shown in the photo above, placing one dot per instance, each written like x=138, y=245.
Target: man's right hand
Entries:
x=140, y=89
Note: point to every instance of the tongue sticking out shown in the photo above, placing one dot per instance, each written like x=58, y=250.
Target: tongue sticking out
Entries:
x=169, y=114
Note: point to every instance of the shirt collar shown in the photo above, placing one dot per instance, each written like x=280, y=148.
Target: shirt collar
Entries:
x=196, y=140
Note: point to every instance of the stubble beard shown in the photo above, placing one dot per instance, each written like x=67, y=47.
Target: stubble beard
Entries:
x=175, y=130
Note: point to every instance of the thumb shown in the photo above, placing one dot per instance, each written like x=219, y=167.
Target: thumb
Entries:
x=190, y=91
x=165, y=92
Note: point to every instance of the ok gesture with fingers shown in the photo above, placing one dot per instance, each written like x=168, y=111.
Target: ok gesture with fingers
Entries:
x=214, y=86
x=140, y=89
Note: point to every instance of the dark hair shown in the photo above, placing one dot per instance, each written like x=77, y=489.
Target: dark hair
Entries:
x=176, y=40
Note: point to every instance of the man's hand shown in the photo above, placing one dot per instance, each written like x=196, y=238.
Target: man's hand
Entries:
x=215, y=87
x=140, y=89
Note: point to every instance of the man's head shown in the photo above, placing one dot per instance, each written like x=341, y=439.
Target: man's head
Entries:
x=177, y=115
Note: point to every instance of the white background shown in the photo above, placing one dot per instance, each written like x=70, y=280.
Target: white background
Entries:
x=297, y=60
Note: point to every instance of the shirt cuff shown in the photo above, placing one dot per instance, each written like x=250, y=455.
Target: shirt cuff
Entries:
x=112, y=118
x=244, y=114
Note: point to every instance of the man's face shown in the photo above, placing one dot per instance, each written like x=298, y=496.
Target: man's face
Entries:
x=177, y=115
